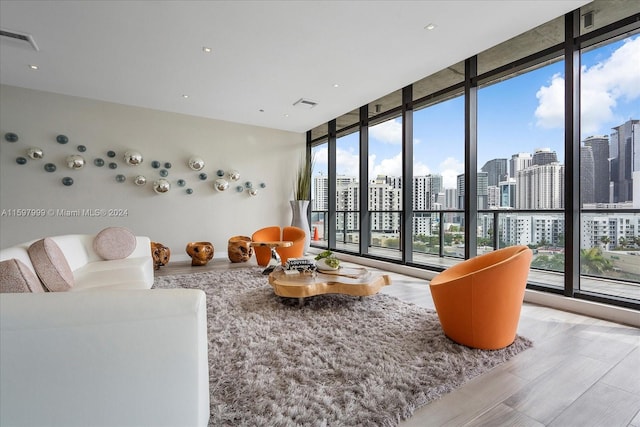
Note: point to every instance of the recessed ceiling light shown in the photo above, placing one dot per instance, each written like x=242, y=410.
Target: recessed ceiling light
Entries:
x=33, y=67
x=286, y=115
x=336, y=85
x=430, y=26
x=206, y=49
x=185, y=96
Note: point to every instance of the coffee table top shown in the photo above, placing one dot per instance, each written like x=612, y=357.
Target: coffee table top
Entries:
x=349, y=281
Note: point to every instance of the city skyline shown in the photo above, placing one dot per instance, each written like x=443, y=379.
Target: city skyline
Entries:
x=522, y=113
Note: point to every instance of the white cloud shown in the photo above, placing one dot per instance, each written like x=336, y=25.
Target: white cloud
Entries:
x=450, y=168
x=389, y=132
x=603, y=85
x=393, y=167
x=347, y=163
x=550, y=111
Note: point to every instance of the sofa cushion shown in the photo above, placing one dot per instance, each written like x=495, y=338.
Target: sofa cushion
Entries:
x=114, y=243
x=15, y=276
x=50, y=265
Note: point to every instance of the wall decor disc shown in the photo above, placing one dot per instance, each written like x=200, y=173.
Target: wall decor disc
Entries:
x=132, y=158
x=195, y=163
x=11, y=137
x=220, y=173
x=82, y=148
x=62, y=139
x=35, y=153
x=67, y=181
x=98, y=162
x=111, y=153
x=202, y=176
x=182, y=183
x=121, y=178
x=140, y=180
x=155, y=164
x=21, y=160
x=113, y=165
x=161, y=186
x=167, y=165
x=50, y=167
x=189, y=191
x=164, y=173
x=75, y=161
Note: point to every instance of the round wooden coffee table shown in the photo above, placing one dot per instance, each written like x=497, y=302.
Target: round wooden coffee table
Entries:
x=358, y=282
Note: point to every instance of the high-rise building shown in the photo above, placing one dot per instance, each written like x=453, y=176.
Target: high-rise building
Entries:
x=518, y=162
x=451, y=198
x=587, y=173
x=626, y=159
x=320, y=193
x=493, y=196
x=600, y=149
x=508, y=193
x=544, y=156
x=540, y=187
x=481, y=190
x=496, y=170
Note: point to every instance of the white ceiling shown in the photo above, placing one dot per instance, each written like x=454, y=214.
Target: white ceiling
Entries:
x=266, y=54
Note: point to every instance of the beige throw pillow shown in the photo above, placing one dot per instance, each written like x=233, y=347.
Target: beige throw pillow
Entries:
x=17, y=277
x=51, y=265
x=114, y=243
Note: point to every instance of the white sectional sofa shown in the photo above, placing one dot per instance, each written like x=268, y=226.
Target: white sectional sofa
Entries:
x=90, y=271
x=119, y=354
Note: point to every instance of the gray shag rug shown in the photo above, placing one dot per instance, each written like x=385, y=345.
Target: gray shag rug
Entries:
x=337, y=361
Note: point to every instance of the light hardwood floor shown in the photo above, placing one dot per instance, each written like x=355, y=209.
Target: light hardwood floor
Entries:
x=580, y=372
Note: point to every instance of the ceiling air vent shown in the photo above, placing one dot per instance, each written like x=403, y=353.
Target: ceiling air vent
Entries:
x=305, y=103
x=20, y=37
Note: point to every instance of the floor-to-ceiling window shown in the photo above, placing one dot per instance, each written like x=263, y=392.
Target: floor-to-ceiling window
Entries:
x=521, y=167
x=438, y=161
x=319, y=194
x=385, y=187
x=610, y=168
x=347, y=191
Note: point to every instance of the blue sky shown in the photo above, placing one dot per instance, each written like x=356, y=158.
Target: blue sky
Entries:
x=517, y=115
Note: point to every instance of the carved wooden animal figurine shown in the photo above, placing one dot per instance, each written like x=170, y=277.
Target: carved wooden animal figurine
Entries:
x=160, y=254
x=239, y=249
x=200, y=252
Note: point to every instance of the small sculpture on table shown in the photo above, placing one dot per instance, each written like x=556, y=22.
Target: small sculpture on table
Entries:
x=160, y=254
x=200, y=252
x=239, y=249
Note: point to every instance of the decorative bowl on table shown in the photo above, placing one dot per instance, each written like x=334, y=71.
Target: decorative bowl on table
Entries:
x=327, y=261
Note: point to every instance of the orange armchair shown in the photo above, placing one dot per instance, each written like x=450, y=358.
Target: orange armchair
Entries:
x=272, y=234
x=479, y=300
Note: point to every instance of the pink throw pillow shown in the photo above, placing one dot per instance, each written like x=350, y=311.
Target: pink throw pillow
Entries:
x=114, y=243
x=17, y=277
x=51, y=265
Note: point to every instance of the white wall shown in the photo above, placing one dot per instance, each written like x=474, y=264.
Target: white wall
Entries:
x=260, y=154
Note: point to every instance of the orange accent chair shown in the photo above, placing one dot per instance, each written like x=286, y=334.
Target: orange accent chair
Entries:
x=272, y=234
x=479, y=300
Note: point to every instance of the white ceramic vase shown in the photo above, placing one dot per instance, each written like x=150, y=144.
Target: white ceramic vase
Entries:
x=300, y=220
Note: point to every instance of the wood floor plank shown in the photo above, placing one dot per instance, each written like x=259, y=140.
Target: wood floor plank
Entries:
x=549, y=395
x=601, y=405
x=502, y=415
